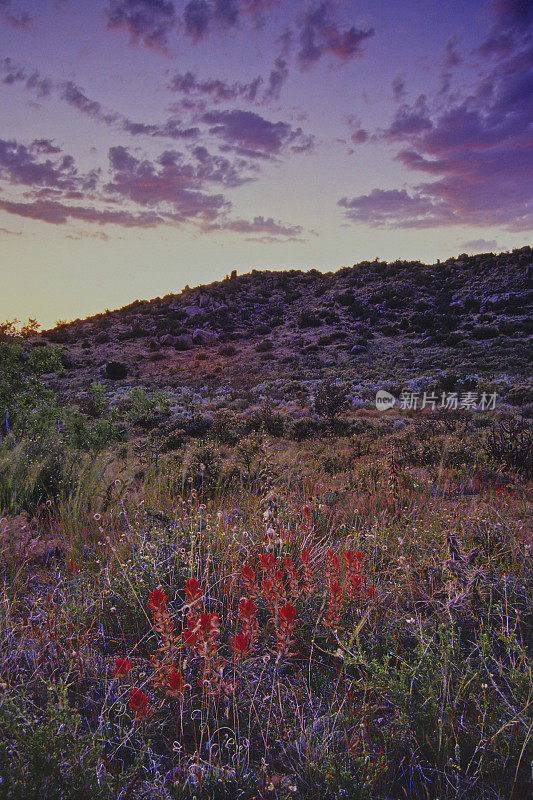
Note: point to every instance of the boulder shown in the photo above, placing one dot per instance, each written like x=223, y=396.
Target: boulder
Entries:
x=203, y=337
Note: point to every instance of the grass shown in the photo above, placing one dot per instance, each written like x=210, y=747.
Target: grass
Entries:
x=414, y=681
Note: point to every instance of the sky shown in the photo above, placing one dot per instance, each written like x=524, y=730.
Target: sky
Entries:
x=150, y=144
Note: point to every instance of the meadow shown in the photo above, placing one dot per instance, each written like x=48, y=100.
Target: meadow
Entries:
x=257, y=610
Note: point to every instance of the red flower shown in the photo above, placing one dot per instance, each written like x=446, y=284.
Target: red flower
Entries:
x=189, y=638
x=241, y=644
x=138, y=701
x=336, y=591
x=330, y=554
x=348, y=557
x=247, y=608
x=305, y=556
x=307, y=511
x=359, y=555
x=176, y=682
x=192, y=589
x=267, y=561
x=247, y=574
x=286, y=614
x=288, y=564
x=356, y=583
x=122, y=667
x=72, y=567
x=158, y=601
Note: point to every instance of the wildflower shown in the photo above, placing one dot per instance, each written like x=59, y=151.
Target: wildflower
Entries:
x=241, y=644
x=267, y=561
x=122, y=667
x=287, y=614
x=355, y=583
x=359, y=555
x=72, y=567
x=138, y=702
x=158, y=601
x=348, y=557
x=248, y=617
x=307, y=511
x=334, y=608
x=247, y=608
x=192, y=589
x=176, y=683
x=284, y=623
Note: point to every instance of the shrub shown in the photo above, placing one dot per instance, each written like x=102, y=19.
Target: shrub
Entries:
x=331, y=399
x=116, y=370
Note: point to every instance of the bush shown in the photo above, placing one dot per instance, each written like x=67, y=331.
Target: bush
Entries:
x=308, y=319
x=116, y=370
x=331, y=399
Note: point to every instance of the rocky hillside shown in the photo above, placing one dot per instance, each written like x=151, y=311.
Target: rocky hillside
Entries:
x=375, y=320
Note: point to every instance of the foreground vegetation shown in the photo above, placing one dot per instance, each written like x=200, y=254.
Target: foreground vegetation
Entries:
x=255, y=606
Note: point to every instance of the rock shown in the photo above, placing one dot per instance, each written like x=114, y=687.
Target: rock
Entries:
x=154, y=345
x=21, y=541
x=204, y=337
x=191, y=311
x=183, y=342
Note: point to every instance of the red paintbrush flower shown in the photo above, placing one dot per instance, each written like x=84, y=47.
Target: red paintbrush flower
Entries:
x=138, y=702
x=72, y=567
x=176, y=683
x=267, y=561
x=122, y=667
x=247, y=608
x=158, y=601
x=241, y=644
x=192, y=590
x=286, y=614
x=307, y=511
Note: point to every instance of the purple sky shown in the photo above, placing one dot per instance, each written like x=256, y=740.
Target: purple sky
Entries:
x=146, y=144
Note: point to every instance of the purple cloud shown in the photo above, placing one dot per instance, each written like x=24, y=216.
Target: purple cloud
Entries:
x=383, y=208
x=170, y=181
x=148, y=21
x=16, y=19
x=276, y=79
x=320, y=34
x=20, y=165
x=512, y=27
x=15, y=73
x=253, y=135
x=197, y=15
x=410, y=120
x=478, y=151
x=60, y=213
x=215, y=89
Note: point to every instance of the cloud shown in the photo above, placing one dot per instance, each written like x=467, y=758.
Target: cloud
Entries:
x=481, y=246
x=170, y=181
x=409, y=120
x=477, y=149
x=383, y=208
x=278, y=76
x=320, y=34
x=16, y=19
x=58, y=213
x=218, y=91
x=512, y=26
x=197, y=15
x=76, y=98
x=398, y=88
x=147, y=21
x=251, y=134
x=171, y=129
x=261, y=225
x=21, y=165
x=15, y=73
x=215, y=89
